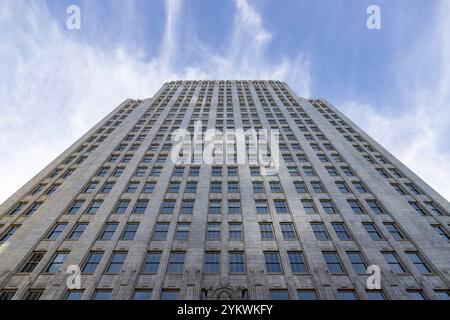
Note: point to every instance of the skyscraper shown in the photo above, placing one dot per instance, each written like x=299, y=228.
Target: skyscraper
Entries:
x=121, y=215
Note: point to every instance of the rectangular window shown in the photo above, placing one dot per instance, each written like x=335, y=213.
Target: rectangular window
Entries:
x=215, y=207
x=300, y=187
x=132, y=187
x=34, y=294
x=415, y=295
x=182, y=231
x=266, y=230
x=297, y=261
x=216, y=187
x=347, y=295
x=187, y=206
x=281, y=206
x=275, y=187
x=288, y=231
x=418, y=262
x=212, y=262
x=375, y=295
x=376, y=208
x=357, y=262
x=317, y=187
x=279, y=294
x=341, y=230
x=191, y=187
x=237, y=262
x=235, y=231
x=213, y=231
x=306, y=294
x=102, y=295
x=272, y=261
x=176, y=262
x=258, y=187
x=393, y=262
x=355, y=206
x=234, y=206
x=56, y=231
x=107, y=187
x=122, y=206
x=373, y=231
x=141, y=294
x=233, y=187
x=32, y=262
x=57, y=262
x=92, y=262
x=308, y=206
x=262, y=207
x=95, y=205
x=174, y=187
x=108, y=231
x=333, y=262
x=328, y=206
x=9, y=233
x=170, y=294
x=141, y=206
x=394, y=231
x=149, y=187
x=151, y=262
x=130, y=231
x=319, y=231
x=160, y=232
x=168, y=206
x=77, y=204
x=116, y=262
x=441, y=232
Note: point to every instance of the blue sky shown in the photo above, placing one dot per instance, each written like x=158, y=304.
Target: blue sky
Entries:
x=57, y=83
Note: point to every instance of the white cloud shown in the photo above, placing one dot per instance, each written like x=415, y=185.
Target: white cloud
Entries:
x=418, y=135
x=54, y=88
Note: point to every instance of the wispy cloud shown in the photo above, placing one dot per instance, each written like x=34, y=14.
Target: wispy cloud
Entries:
x=54, y=87
x=418, y=135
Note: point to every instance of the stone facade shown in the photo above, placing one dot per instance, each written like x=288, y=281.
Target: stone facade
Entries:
x=73, y=213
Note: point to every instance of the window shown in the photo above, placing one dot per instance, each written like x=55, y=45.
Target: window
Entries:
x=237, y=262
x=56, y=231
x=319, y=231
x=234, y=206
x=279, y=294
x=176, y=262
x=132, y=187
x=7, y=294
x=331, y=171
x=306, y=294
x=74, y=295
x=140, y=294
x=333, y=262
x=359, y=187
x=160, y=232
x=213, y=231
x=373, y=231
x=281, y=206
x=191, y=187
x=77, y=204
x=417, y=260
x=57, y=262
x=442, y=294
x=355, y=206
x=155, y=172
x=212, y=262
x=178, y=172
x=235, y=231
x=300, y=187
x=328, y=206
x=90, y=187
x=149, y=187
x=275, y=187
x=172, y=294
x=194, y=171
x=118, y=171
x=255, y=171
x=187, y=207
x=415, y=295
x=272, y=260
x=317, y=187
x=215, y=207
x=418, y=208
x=258, y=187
x=151, y=263
x=347, y=295
x=441, y=232
x=433, y=208
x=92, y=261
x=341, y=230
x=108, y=231
x=9, y=233
x=107, y=187
x=34, y=294
x=141, y=206
x=393, y=262
x=233, y=187
x=32, y=262
x=262, y=207
x=232, y=171
x=174, y=187
x=182, y=231
x=308, y=206
x=216, y=187
x=297, y=262
x=102, y=295
x=116, y=262
x=122, y=206
x=375, y=295
x=394, y=231
x=33, y=208
x=95, y=205
x=376, y=208
x=342, y=186
x=130, y=231
x=266, y=231
x=357, y=261
x=217, y=171
x=288, y=231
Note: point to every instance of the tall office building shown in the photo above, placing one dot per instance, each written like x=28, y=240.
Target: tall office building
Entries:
x=136, y=224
